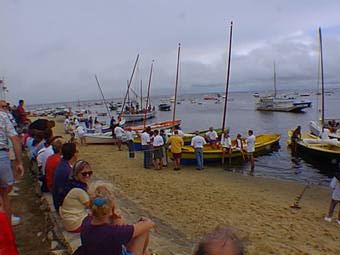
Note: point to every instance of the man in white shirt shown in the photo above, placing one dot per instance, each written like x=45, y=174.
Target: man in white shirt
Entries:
x=211, y=135
x=180, y=132
x=129, y=142
x=198, y=142
x=226, y=145
x=250, y=140
x=157, y=143
x=146, y=147
x=119, y=136
x=66, y=124
x=80, y=132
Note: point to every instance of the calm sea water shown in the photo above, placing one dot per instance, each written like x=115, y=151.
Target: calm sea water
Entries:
x=241, y=116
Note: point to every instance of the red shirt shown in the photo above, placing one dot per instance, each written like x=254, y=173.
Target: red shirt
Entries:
x=51, y=164
x=22, y=113
x=7, y=242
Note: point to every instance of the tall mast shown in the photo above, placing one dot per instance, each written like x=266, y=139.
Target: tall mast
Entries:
x=322, y=82
x=104, y=101
x=148, y=96
x=227, y=78
x=175, y=100
x=141, y=94
x=127, y=91
x=274, y=80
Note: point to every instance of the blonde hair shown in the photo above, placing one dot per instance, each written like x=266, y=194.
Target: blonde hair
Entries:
x=102, y=201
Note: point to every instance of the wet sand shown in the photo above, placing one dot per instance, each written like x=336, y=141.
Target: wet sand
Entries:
x=188, y=203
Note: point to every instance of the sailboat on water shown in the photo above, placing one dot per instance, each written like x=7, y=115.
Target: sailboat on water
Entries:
x=324, y=148
x=284, y=103
x=213, y=154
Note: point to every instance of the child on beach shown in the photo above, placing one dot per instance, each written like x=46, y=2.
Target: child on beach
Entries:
x=105, y=232
x=335, y=185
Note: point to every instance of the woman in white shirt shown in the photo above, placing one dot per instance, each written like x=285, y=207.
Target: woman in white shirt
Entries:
x=76, y=199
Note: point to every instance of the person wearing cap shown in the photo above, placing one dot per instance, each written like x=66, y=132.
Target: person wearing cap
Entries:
x=197, y=142
x=7, y=132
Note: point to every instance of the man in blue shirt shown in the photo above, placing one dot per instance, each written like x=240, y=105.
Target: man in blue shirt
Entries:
x=62, y=173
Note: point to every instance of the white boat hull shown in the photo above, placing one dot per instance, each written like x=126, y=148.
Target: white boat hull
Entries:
x=138, y=116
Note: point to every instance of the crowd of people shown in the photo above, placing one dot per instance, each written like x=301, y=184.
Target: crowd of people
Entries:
x=88, y=207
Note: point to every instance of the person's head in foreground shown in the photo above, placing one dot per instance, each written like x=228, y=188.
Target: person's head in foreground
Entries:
x=102, y=200
x=221, y=241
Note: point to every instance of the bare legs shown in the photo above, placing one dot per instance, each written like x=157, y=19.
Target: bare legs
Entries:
x=139, y=244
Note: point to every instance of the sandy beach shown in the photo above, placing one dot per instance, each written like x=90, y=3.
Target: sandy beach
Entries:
x=191, y=202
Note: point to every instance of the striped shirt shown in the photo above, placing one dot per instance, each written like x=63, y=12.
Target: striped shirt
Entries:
x=6, y=130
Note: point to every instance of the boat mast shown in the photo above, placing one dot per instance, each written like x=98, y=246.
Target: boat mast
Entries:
x=175, y=99
x=127, y=91
x=274, y=80
x=141, y=94
x=322, y=83
x=148, y=97
x=227, y=78
x=101, y=92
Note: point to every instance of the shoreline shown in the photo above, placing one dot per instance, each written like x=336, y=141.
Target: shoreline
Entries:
x=194, y=202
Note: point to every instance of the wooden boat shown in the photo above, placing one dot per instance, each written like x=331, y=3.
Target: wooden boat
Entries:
x=134, y=117
x=157, y=125
x=263, y=144
x=313, y=146
x=105, y=138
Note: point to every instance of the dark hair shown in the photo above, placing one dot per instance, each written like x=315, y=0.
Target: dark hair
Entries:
x=176, y=132
x=21, y=101
x=68, y=150
x=156, y=132
x=250, y=131
x=220, y=233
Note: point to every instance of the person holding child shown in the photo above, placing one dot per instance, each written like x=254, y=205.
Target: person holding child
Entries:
x=106, y=232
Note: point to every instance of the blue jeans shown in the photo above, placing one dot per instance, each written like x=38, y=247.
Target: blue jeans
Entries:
x=147, y=156
x=199, y=157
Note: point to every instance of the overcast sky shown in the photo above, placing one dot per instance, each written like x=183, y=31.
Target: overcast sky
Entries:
x=50, y=50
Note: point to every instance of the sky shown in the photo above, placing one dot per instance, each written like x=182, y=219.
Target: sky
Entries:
x=50, y=50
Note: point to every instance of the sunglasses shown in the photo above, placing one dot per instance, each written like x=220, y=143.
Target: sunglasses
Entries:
x=89, y=173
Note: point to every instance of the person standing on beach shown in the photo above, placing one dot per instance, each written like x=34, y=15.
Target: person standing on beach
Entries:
x=335, y=185
x=157, y=144
x=22, y=115
x=250, y=140
x=198, y=142
x=146, y=147
x=119, y=136
x=176, y=143
x=130, y=143
x=7, y=132
x=164, y=148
